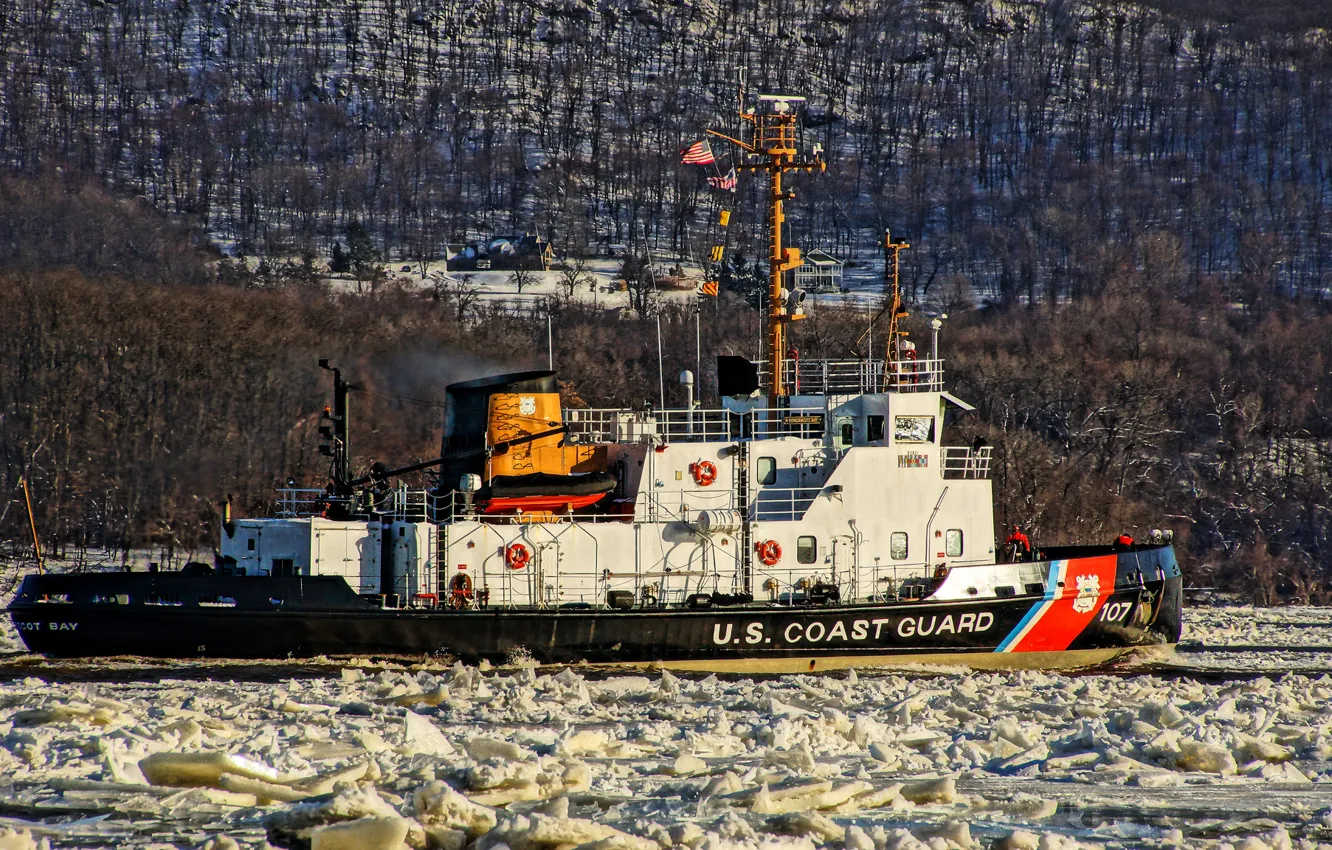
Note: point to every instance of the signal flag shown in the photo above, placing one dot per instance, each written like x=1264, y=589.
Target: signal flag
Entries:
x=717, y=252
x=725, y=217
x=709, y=288
x=729, y=181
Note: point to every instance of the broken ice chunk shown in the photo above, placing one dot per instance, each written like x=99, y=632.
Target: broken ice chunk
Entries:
x=65, y=714
x=204, y=769
x=325, y=783
x=528, y=833
x=1018, y=840
x=368, y=833
x=585, y=742
x=685, y=765
x=421, y=736
x=297, y=824
x=872, y=799
x=437, y=803
x=808, y=823
x=1256, y=749
x=822, y=798
x=942, y=790
x=955, y=833
x=482, y=749
x=1010, y=730
x=1202, y=757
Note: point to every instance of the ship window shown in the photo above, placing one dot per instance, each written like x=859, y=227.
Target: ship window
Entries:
x=807, y=550
x=1034, y=587
x=953, y=542
x=765, y=471
x=897, y=546
x=1004, y=591
x=284, y=567
x=249, y=544
x=913, y=429
x=402, y=531
x=848, y=432
x=875, y=428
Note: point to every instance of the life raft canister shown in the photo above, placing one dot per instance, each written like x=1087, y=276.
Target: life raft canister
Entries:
x=517, y=556
x=704, y=472
x=769, y=552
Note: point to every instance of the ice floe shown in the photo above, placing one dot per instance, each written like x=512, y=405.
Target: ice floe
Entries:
x=516, y=758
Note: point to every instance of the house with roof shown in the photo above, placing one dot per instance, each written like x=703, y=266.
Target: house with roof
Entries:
x=528, y=251
x=821, y=272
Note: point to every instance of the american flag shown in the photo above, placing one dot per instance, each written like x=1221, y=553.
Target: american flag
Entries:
x=727, y=182
x=699, y=153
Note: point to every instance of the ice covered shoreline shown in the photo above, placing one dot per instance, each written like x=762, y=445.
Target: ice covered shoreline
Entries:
x=562, y=759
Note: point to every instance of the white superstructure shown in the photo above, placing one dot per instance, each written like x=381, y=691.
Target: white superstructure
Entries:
x=849, y=490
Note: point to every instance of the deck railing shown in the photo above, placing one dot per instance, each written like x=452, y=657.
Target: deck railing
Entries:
x=848, y=377
x=300, y=501
x=963, y=462
x=586, y=425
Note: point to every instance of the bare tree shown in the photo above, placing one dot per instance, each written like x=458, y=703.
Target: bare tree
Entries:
x=521, y=277
x=572, y=275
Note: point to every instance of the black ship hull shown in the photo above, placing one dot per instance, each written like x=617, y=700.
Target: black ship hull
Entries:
x=172, y=615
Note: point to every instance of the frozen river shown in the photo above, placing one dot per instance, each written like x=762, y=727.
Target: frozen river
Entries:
x=1229, y=743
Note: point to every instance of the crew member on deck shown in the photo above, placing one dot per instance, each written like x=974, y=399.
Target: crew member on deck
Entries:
x=1123, y=543
x=1021, y=545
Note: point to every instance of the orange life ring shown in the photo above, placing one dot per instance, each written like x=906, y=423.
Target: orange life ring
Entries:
x=517, y=556
x=769, y=552
x=704, y=472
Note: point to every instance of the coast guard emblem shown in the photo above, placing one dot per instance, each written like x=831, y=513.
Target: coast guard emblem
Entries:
x=1089, y=589
x=527, y=405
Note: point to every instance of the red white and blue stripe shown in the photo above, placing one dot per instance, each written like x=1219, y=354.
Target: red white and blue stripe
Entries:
x=1075, y=590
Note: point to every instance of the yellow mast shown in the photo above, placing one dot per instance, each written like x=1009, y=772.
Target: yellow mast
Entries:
x=891, y=252
x=772, y=148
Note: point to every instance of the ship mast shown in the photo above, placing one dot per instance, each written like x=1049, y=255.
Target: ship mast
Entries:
x=892, y=283
x=772, y=148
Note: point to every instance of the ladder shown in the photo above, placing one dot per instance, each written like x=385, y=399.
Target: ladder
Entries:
x=746, y=552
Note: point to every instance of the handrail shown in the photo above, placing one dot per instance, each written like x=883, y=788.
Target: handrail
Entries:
x=964, y=462
x=847, y=377
x=616, y=425
x=300, y=501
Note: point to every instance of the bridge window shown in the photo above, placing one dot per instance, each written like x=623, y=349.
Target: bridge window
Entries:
x=847, y=430
x=897, y=546
x=765, y=471
x=807, y=550
x=913, y=429
x=284, y=567
x=953, y=542
x=875, y=428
